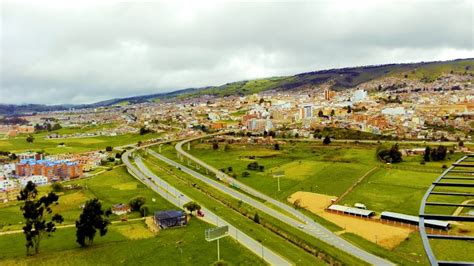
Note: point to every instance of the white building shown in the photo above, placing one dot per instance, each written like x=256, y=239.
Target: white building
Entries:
x=7, y=184
x=359, y=95
x=394, y=111
x=37, y=179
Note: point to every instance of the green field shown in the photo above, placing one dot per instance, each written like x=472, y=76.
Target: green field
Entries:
x=248, y=226
x=131, y=244
x=125, y=243
x=111, y=187
x=331, y=170
x=72, y=145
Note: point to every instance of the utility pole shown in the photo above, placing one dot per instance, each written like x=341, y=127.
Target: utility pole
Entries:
x=218, y=251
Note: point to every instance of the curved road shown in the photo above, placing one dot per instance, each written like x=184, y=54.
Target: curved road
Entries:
x=310, y=227
x=178, y=198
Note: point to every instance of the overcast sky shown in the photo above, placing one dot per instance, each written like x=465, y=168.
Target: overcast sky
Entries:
x=52, y=52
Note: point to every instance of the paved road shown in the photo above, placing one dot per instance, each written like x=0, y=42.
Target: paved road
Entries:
x=310, y=226
x=178, y=198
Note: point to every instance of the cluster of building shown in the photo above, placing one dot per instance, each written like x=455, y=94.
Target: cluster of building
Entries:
x=34, y=167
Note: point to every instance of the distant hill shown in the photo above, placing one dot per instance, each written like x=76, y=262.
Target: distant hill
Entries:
x=341, y=78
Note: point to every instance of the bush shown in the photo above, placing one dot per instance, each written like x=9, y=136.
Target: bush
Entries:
x=327, y=140
x=108, y=148
x=392, y=155
x=57, y=187
x=256, y=218
x=137, y=202
x=438, y=154
x=192, y=206
x=245, y=174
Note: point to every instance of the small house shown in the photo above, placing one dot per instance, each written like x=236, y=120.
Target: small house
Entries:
x=120, y=209
x=170, y=218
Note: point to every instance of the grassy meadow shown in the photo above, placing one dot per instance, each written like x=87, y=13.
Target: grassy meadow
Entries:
x=327, y=169
x=126, y=242
x=112, y=187
x=71, y=145
x=129, y=243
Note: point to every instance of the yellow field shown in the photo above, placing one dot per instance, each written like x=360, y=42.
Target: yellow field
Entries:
x=134, y=231
x=385, y=235
x=126, y=186
x=296, y=170
x=70, y=201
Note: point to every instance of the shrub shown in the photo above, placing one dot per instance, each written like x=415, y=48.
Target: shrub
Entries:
x=137, y=202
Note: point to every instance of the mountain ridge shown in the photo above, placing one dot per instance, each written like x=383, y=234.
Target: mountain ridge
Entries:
x=342, y=78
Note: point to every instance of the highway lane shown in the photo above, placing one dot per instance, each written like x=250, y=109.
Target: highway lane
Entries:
x=310, y=227
x=178, y=198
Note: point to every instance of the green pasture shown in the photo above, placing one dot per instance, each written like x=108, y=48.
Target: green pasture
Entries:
x=112, y=187
x=72, y=145
x=181, y=246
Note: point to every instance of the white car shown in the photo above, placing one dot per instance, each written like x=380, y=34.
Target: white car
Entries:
x=301, y=226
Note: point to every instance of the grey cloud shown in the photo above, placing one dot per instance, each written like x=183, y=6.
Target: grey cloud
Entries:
x=88, y=53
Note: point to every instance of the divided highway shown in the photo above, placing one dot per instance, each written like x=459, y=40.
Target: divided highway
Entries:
x=310, y=226
x=178, y=198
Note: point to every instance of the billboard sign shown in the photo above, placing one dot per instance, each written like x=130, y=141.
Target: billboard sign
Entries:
x=216, y=233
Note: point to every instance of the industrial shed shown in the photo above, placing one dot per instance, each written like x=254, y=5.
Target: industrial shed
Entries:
x=351, y=210
x=171, y=218
x=410, y=219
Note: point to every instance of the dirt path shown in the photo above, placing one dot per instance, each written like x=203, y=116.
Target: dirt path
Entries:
x=71, y=225
x=355, y=184
x=459, y=209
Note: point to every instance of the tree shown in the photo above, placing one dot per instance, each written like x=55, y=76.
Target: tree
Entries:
x=333, y=113
x=256, y=218
x=438, y=154
x=56, y=126
x=426, y=155
x=230, y=169
x=57, y=187
x=92, y=219
x=34, y=211
x=192, y=206
x=392, y=155
x=297, y=204
x=252, y=166
x=30, y=139
x=137, y=202
x=245, y=174
x=109, y=148
x=144, y=210
x=349, y=109
x=215, y=146
x=327, y=140
x=461, y=143
x=144, y=130
x=276, y=147
x=395, y=154
x=320, y=113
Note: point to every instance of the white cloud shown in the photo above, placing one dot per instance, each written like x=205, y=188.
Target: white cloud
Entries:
x=86, y=51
